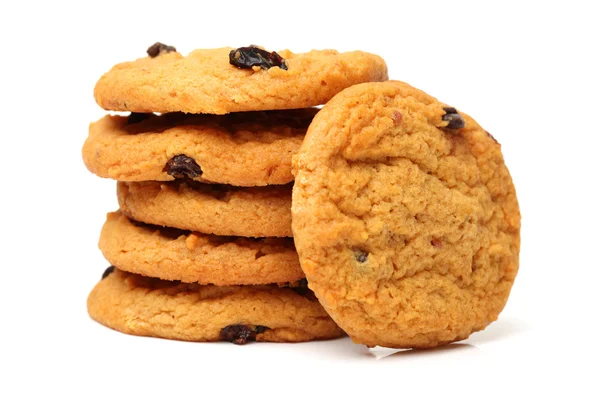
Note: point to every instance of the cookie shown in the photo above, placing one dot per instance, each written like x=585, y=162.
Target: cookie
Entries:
x=217, y=209
x=405, y=218
x=143, y=306
x=243, y=149
x=173, y=254
x=206, y=82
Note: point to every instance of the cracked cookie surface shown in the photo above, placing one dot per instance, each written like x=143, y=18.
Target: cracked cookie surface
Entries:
x=215, y=209
x=242, y=149
x=206, y=82
x=143, y=306
x=405, y=217
x=173, y=254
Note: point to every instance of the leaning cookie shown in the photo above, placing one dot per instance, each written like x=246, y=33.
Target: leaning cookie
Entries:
x=150, y=307
x=405, y=217
x=244, y=149
x=172, y=254
x=220, y=81
x=217, y=209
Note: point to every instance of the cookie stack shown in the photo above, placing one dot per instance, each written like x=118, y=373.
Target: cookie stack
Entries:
x=201, y=246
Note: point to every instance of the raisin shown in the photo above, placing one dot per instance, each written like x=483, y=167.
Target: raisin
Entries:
x=108, y=271
x=455, y=120
x=240, y=334
x=437, y=243
x=181, y=166
x=397, y=118
x=159, y=48
x=134, y=117
x=360, y=256
x=260, y=329
x=251, y=56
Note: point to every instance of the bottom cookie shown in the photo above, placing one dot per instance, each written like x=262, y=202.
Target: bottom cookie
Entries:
x=145, y=306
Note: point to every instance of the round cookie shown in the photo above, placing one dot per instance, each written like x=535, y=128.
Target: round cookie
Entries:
x=243, y=149
x=217, y=209
x=172, y=254
x=206, y=82
x=405, y=218
x=144, y=306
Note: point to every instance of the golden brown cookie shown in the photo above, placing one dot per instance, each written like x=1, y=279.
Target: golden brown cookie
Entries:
x=405, y=217
x=242, y=149
x=217, y=209
x=172, y=254
x=143, y=306
x=206, y=82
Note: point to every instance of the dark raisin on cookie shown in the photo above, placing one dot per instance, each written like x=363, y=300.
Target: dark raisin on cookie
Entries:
x=134, y=117
x=455, y=120
x=181, y=166
x=260, y=329
x=437, y=243
x=108, y=271
x=360, y=256
x=251, y=56
x=241, y=334
x=159, y=48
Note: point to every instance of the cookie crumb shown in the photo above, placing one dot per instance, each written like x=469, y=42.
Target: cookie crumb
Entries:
x=191, y=242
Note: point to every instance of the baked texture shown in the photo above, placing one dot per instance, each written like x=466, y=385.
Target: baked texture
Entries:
x=407, y=229
x=173, y=254
x=217, y=209
x=143, y=306
x=205, y=82
x=243, y=149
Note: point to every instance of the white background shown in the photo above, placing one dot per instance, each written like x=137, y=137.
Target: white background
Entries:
x=527, y=71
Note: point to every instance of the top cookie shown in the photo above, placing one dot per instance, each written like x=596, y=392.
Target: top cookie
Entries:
x=206, y=82
x=405, y=217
